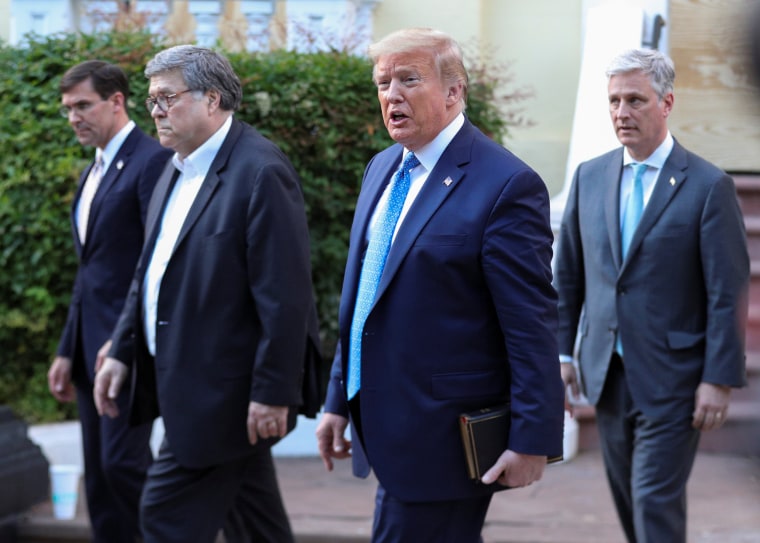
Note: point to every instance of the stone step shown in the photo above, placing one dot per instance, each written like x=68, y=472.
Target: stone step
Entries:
x=748, y=190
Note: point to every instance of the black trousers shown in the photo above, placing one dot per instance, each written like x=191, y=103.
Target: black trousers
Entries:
x=116, y=459
x=241, y=497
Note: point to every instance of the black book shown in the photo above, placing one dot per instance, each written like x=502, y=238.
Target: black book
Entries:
x=485, y=435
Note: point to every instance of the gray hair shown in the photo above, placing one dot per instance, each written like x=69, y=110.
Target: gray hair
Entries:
x=202, y=69
x=658, y=66
x=443, y=48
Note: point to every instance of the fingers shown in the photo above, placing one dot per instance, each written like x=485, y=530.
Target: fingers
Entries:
x=330, y=440
x=709, y=419
x=108, y=383
x=266, y=421
x=59, y=380
x=515, y=470
x=100, y=358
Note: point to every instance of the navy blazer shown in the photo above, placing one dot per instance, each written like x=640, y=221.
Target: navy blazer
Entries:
x=465, y=317
x=115, y=232
x=679, y=298
x=236, y=313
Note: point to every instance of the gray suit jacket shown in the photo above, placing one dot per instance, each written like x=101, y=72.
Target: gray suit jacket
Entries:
x=680, y=297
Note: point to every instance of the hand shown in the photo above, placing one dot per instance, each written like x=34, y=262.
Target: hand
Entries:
x=570, y=378
x=59, y=379
x=515, y=470
x=711, y=406
x=330, y=440
x=108, y=382
x=102, y=355
x=265, y=421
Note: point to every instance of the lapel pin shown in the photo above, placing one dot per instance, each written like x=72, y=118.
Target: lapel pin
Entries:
x=672, y=181
x=120, y=165
x=447, y=181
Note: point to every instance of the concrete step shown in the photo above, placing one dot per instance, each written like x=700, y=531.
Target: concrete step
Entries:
x=748, y=190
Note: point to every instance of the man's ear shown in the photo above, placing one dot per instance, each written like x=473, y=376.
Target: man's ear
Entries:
x=455, y=93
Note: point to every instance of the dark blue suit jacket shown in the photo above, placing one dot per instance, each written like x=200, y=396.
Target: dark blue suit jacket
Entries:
x=107, y=261
x=465, y=317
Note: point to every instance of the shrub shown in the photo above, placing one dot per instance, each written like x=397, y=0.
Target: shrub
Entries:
x=320, y=108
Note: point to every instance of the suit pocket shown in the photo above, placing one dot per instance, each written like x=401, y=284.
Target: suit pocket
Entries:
x=684, y=340
x=441, y=240
x=469, y=384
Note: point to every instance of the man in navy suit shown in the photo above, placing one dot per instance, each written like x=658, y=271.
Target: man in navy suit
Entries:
x=659, y=303
x=221, y=315
x=107, y=219
x=463, y=317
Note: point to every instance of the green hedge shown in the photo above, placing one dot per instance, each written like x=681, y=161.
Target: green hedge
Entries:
x=320, y=108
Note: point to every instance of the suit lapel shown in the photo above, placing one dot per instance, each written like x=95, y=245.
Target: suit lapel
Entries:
x=109, y=178
x=613, y=172
x=434, y=192
x=376, y=179
x=664, y=190
x=211, y=182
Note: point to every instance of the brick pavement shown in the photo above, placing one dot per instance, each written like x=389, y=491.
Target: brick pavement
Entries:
x=571, y=504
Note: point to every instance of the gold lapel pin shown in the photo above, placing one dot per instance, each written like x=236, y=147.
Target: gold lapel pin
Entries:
x=448, y=181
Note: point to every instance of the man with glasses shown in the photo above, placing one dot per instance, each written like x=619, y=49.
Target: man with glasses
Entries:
x=221, y=315
x=108, y=216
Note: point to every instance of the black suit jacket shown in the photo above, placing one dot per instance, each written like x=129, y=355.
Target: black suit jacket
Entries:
x=114, y=240
x=236, y=314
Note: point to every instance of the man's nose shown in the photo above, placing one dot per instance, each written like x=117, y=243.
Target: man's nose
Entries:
x=395, y=91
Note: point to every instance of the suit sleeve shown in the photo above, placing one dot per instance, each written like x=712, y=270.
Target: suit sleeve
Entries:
x=279, y=271
x=725, y=265
x=569, y=272
x=517, y=255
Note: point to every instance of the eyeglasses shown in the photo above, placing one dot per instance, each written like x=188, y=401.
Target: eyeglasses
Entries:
x=163, y=101
x=80, y=108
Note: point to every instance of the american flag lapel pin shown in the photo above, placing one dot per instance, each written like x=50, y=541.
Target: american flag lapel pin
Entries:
x=447, y=181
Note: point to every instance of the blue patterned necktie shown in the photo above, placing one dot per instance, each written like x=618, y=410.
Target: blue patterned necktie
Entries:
x=634, y=207
x=374, y=262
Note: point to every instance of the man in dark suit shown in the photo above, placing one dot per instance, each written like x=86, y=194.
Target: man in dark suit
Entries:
x=652, y=271
x=464, y=314
x=220, y=316
x=107, y=219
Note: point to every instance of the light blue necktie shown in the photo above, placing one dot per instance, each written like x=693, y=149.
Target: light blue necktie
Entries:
x=374, y=262
x=634, y=207
x=631, y=216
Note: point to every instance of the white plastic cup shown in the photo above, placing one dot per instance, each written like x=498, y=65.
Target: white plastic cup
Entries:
x=64, y=486
x=571, y=438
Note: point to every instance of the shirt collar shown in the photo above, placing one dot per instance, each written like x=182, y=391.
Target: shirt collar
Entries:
x=112, y=147
x=430, y=153
x=199, y=161
x=657, y=158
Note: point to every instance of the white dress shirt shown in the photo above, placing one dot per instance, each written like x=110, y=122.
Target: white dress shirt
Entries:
x=428, y=157
x=193, y=170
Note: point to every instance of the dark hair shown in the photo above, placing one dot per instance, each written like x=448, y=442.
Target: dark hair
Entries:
x=106, y=78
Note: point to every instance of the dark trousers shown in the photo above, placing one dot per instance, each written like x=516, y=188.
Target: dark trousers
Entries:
x=116, y=459
x=648, y=463
x=455, y=521
x=240, y=497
